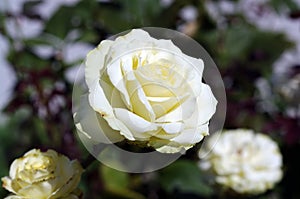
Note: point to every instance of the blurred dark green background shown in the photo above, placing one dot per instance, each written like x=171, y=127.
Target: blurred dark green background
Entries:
x=255, y=44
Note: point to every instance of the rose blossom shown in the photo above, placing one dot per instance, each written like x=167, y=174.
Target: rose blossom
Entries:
x=43, y=175
x=246, y=162
x=145, y=89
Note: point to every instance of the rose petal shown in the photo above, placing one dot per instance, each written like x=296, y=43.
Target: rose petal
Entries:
x=140, y=104
x=99, y=103
x=180, y=143
x=162, y=78
x=198, y=64
x=153, y=88
x=94, y=127
x=39, y=190
x=98, y=100
x=206, y=107
x=181, y=113
x=95, y=62
x=167, y=45
x=173, y=128
x=140, y=127
x=165, y=146
x=71, y=183
x=138, y=38
x=115, y=75
x=7, y=184
x=207, y=104
x=191, y=136
x=194, y=77
x=112, y=94
x=163, y=105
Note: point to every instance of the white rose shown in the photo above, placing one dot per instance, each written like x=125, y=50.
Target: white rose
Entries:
x=43, y=175
x=247, y=162
x=145, y=89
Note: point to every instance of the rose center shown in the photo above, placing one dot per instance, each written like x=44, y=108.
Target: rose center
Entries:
x=36, y=169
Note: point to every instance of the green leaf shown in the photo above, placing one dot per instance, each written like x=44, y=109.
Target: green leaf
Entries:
x=114, y=178
x=141, y=11
x=113, y=20
x=117, y=183
x=238, y=43
x=184, y=176
x=59, y=25
x=129, y=14
x=28, y=60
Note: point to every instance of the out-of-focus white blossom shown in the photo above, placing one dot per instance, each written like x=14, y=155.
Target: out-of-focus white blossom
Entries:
x=48, y=7
x=73, y=52
x=7, y=75
x=14, y=7
x=259, y=13
x=188, y=13
x=23, y=27
x=244, y=161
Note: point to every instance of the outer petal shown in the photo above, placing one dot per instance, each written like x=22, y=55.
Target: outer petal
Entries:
x=71, y=183
x=207, y=104
x=194, y=77
x=7, y=184
x=173, y=128
x=165, y=146
x=182, y=142
x=94, y=126
x=15, y=197
x=98, y=100
x=95, y=62
x=100, y=104
x=168, y=45
x=138, y=38
x=191, y=136
x=206, y=107
x=38, y=190
x=14, y=167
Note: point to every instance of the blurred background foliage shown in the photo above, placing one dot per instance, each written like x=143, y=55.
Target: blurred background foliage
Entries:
x=255, y=44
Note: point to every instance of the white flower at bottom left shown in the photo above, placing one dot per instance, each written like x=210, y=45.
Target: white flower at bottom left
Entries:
x=43, y=175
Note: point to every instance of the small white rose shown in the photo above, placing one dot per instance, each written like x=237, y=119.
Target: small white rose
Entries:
x=246, y=162
x=145, y=89
x=43, y=175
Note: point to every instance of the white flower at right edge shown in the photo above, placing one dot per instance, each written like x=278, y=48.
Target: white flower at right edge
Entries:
x=244, y=161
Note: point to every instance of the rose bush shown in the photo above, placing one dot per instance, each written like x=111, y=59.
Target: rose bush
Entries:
x=145, y=89
x=43, y=175
x=246, y=162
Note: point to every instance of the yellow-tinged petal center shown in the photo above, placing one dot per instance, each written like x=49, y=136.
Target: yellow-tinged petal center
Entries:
x=36, y=168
